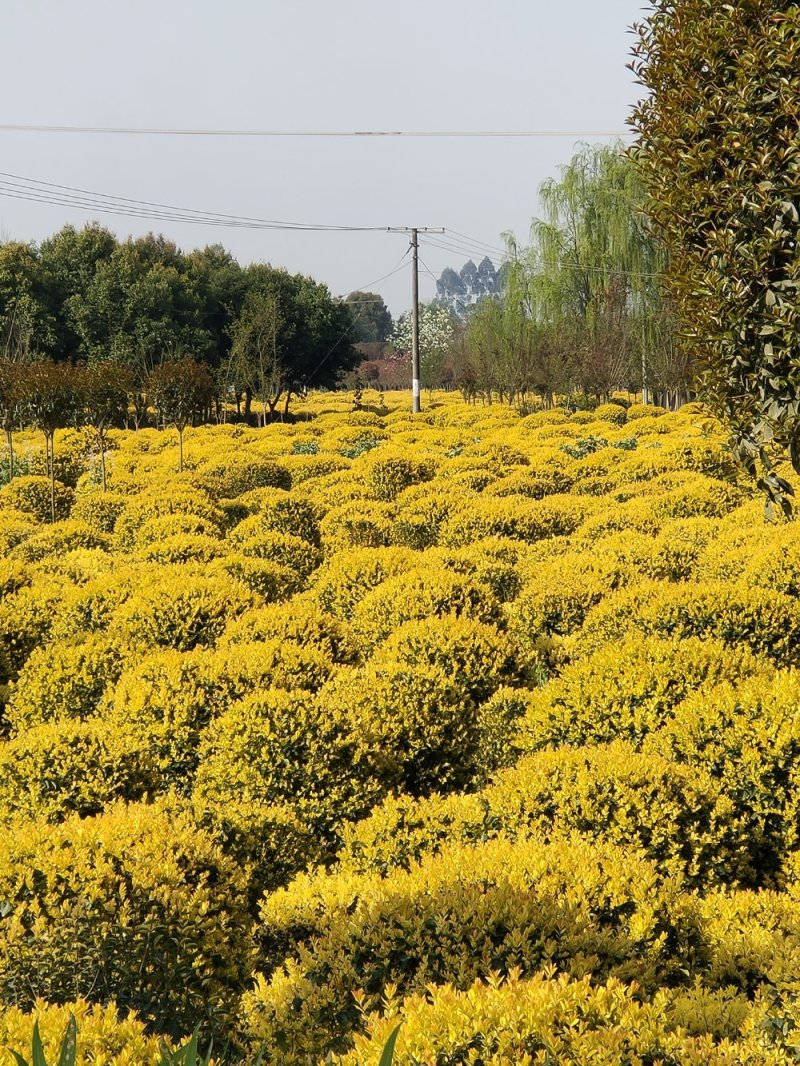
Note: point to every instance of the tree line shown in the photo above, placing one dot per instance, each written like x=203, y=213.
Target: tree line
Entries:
x=83, y=296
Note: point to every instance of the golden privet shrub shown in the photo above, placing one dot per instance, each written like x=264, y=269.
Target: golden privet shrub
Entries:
x=241, y=472
x=306, y=624
x=53, y=770
x=458, y=915
x=76, y=567
x=497, y=722
x=181, y=548
x=166, y=526
x=388, y=475
x=283, y=512
x=765, y=621
x=270, y=843
x=269, y=581
x=58, y=539
x=417, y=594
x=676, y=816
x=284, y=548
x=165, y=701
x=106, y=1037
x=556, y=599
x=746, y=734
x=182, y=609
x=178, y=500
x=89, y=608
x=413, y=727
x=346, y=578
x=30, y=494
x=276, y=748
x=473, y=655
x=552, y=1018
x=611, y=412
x=515, y=517
x=419, y=514
x=626, y=690
x=136, y=906
x=26, y=618
x=99, y=510
x=15, y=526
x=358, y=524
x=64, y=680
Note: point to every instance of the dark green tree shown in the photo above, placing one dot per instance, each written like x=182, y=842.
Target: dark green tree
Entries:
x=139, y=305
x=257, y=365
x=28, y=318
x=313, y=344
x=220, y=287
x=719, y=152
x=371, y=317
x=68, y=261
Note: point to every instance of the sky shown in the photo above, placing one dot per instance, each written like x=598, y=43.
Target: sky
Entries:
x=310, y=65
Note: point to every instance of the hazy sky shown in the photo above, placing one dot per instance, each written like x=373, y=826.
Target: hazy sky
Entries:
x=309, y=65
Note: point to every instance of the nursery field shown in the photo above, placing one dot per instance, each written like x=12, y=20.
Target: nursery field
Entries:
x=484, y=724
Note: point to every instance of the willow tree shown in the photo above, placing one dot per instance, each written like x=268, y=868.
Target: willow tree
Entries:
x=594, y=268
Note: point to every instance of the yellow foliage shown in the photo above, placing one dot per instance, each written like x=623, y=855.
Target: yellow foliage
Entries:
x=31, y=495
x=421, y=593
x=680, y=817
x=50, y=771
x=306, y=625
x=556, y=1019
x=767, y=622
x=626, y=689
x=348, y=576
x=137, y=904
x=277, y=748
x=61, y=681
x=461, y=914
x=178, y=608
x=106, y=1037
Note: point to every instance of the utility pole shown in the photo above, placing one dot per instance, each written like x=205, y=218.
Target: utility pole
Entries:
x=415, y=371
x=415, y=404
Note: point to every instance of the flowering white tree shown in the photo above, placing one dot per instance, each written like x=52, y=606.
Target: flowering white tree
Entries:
x=436, y=331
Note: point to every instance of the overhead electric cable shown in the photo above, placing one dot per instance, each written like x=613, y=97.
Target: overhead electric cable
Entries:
x=17, y=186
x=164, y=131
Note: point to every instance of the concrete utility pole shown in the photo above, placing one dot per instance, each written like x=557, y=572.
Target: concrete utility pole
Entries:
x=415, y=373
x=415, y=403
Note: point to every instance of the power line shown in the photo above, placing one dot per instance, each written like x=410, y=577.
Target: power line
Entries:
x=159, y=131
x=475, y=241
x=456, y=246
x=15, y=186
x=459, y=249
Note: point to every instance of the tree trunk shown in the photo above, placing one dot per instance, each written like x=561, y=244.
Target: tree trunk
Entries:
x=10, y=442
x=286, y=404
x=49, y=445
x=248, y=403
x=102, y=458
